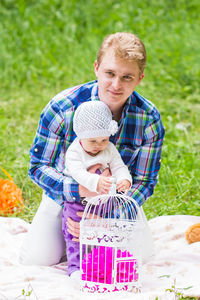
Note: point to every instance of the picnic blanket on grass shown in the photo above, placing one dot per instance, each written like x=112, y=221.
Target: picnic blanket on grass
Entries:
x=175, y=268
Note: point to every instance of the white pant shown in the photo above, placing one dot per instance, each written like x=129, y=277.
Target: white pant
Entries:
x=44, y=243
x=147, y=246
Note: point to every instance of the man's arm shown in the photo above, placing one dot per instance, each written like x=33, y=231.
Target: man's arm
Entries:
x=45, y=151
x=146, y=166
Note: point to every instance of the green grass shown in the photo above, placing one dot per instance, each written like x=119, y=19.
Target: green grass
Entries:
x=49, y=45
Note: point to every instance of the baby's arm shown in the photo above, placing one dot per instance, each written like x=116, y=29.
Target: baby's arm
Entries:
x=76, y=169
x=84, y=192
x=93, y=182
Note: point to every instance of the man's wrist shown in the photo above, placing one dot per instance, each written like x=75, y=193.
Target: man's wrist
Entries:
x=71, y=192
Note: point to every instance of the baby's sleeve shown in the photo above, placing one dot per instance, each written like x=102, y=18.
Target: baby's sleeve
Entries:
x=76, y=169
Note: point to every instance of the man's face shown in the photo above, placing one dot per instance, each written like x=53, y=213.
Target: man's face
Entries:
x=117, y=79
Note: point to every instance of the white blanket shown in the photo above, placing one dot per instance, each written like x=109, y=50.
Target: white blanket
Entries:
x=176, y=263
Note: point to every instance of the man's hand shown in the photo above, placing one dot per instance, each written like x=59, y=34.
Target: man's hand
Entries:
x=106, y=172
x=83, y=192
x=74, y=226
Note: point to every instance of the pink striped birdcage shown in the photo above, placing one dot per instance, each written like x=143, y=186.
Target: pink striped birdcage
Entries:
x=110, y=244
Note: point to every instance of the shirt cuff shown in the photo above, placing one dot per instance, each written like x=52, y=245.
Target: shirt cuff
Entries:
x=71, y=192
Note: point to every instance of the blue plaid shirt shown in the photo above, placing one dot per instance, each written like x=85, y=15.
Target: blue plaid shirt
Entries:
x=139, y=141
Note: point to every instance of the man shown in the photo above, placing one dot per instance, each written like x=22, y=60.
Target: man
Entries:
x=119, y=69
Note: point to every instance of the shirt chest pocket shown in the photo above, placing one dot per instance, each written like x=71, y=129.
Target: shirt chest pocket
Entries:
x=128, y=153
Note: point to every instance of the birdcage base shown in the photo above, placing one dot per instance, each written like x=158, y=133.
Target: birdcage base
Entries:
x=91, y=287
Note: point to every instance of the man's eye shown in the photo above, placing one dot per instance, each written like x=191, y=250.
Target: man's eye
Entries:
x=127, y=78
x=111, y=74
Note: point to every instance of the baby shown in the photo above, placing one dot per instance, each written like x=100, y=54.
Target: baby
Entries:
x=93, y=126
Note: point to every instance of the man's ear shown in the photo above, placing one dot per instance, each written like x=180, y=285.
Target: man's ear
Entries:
x=142, y=76
x=96, y=66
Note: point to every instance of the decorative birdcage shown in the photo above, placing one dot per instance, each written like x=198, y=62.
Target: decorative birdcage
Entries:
x=110, y=244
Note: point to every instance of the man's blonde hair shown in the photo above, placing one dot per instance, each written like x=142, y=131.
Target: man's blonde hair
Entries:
x=126, y=46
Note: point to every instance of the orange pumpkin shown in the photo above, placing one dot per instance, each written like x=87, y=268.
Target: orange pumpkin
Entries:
x=10, y=196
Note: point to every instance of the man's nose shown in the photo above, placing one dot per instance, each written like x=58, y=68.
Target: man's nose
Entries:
x=116, y=83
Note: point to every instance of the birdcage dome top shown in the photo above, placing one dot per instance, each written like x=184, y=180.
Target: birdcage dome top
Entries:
x=117, y=206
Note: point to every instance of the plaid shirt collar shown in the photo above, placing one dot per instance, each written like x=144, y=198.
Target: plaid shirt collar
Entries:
x=95, y=97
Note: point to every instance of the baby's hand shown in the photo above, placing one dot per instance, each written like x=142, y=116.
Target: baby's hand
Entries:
x=103, y=185
x=123, y=185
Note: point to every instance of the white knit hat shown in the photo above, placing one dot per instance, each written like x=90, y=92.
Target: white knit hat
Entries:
x=93, y=119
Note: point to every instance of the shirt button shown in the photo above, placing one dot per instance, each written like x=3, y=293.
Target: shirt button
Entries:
x=36, y=149
x=74, y=198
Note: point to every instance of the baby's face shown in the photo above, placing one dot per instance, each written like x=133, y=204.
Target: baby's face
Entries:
x=95, y=145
